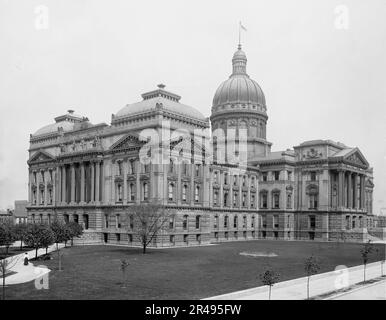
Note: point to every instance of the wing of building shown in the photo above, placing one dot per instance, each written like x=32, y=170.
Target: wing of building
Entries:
x=92, y=173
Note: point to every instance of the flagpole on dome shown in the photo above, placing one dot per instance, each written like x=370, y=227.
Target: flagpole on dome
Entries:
x=245, y=29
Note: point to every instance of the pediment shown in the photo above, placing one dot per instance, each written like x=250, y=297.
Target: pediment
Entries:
x=128, y=141
x=356, y=157
x=41, y=156
x=187, y=144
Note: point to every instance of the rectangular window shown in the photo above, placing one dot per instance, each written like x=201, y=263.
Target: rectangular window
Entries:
x=313, y=176
x=276, y=175
x=264, y=221
x=276, y=221
x=312, y=222
x=185, y=223
x=264, y=176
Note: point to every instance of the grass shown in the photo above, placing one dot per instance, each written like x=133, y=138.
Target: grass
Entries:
x=93, y=272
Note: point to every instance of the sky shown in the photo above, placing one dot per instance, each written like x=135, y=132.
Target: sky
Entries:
x=321, y=65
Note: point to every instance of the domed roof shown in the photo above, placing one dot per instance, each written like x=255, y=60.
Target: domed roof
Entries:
x=239, y=88
x=160, y=98
x=65, y=122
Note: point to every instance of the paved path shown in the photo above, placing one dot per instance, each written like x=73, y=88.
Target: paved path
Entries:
x=27, y=273
x=296, y=289
x=374, y=291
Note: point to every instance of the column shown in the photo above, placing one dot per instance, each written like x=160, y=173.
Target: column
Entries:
x=248, y=202
x=363, y=177
x=45, y=188
x=221, y=182
x=38, y=187
x=82, y=182
x=72, y=183
x=178, y=190
x=192, y=172
x=92, y=182
x=98, y=181
x=54, y=187
x=355, y=191
x=349, y=192
x=340, y=189
x=64, y=184
x=240, y=179
x=138, y=182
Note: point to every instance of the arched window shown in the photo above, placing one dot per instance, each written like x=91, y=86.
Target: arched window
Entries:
x=225, y=199
x=215, y=197
x=66, y=218
x=197, y=194
x=253, y=221
x=76, y=218
x=275, y=199
x=171, y=191
x=198, y=218
x=145, y=191
x=33, y=218
x=184, y=191
x=119, y=192
x=131, y=192
x=289, y=200
x=235, y=221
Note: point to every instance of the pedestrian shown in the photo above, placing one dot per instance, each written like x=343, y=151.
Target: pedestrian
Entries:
x=26, y=259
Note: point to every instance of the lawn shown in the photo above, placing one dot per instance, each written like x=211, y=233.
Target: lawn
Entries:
x=93, y=272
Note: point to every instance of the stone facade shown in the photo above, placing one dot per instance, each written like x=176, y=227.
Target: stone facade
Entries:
x=91, y=173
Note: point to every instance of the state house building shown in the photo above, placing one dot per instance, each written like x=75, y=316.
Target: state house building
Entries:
x=91, y=173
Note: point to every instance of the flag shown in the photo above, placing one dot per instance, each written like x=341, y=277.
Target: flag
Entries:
x=242, y=27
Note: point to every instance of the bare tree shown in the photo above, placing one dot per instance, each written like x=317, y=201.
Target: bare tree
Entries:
x=269, y=277
x=124, y=265
x=365, y=252
x=147, y=221
x=311, y=266
x=6, y=265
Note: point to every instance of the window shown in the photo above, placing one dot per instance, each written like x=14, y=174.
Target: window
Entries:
x=34, y=196
x=198, y=238
x=252, y=182
x=171, y=223
x=49, y=218
x=131, y=192
x=235, y=180
x=235, y=221
x=185, y=238
x=215, y=179
x=184, y=191
x=275, y=221
x=171, y=191
x=130, y=238
x=264, y=200
x=253, y=199
x=264, y=221
x=312, y=222
x=50, y=196
x=244, y=221
x=244, y=202
x=226, y=235
x=197, y=170
x=85, y=221
x=354, y=222
x=253, y=222
x=225, y=178
x=33, y=218
x=235, y=196
x=119, y=192
x=264, y=176
x=171, y=239
x=360, y=222
x=289, y=174
x=145, y=191
x=185, y=169
x=347, y=222
x=42, y=195
x=119, y=164
x=288, y=221
x=42, y=176
x=132, y=166
x=289, y=200
x=171, y=166
x=50, y=174
x=225, y=199
x=226, y=222
x=185, y=222
x=106, y=221
x=40, y=218
x=131, y=222
x=215, y=197
x=76, y=218
x=244, y=181
x=34, y=177
x=276, y=175
x=313, y=176
x=215, y=223
x=118, y=221
x=197, y=194
x=66, y=218
x=147, y=168
x=118, y=235
x=276, y=200
x=313, y=198
x=198, y=222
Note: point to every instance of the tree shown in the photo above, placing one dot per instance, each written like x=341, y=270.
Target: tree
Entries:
x=124, y=265
x=6, y=265
x=148, y=220
x=58, y=229
x=20, y=232
x=365, y=253
x=269, y=277
x=7, y=235
x=47, y=238
x=35, y=237
x=311, y=266
x=75, y=230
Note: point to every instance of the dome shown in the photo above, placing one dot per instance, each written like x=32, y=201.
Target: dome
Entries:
x=51, y=128
x=160, y=98
x=239, y=88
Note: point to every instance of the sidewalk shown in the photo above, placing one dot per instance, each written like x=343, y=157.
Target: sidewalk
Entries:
x=296, y=289
x=373, y=291
x=27, y=273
